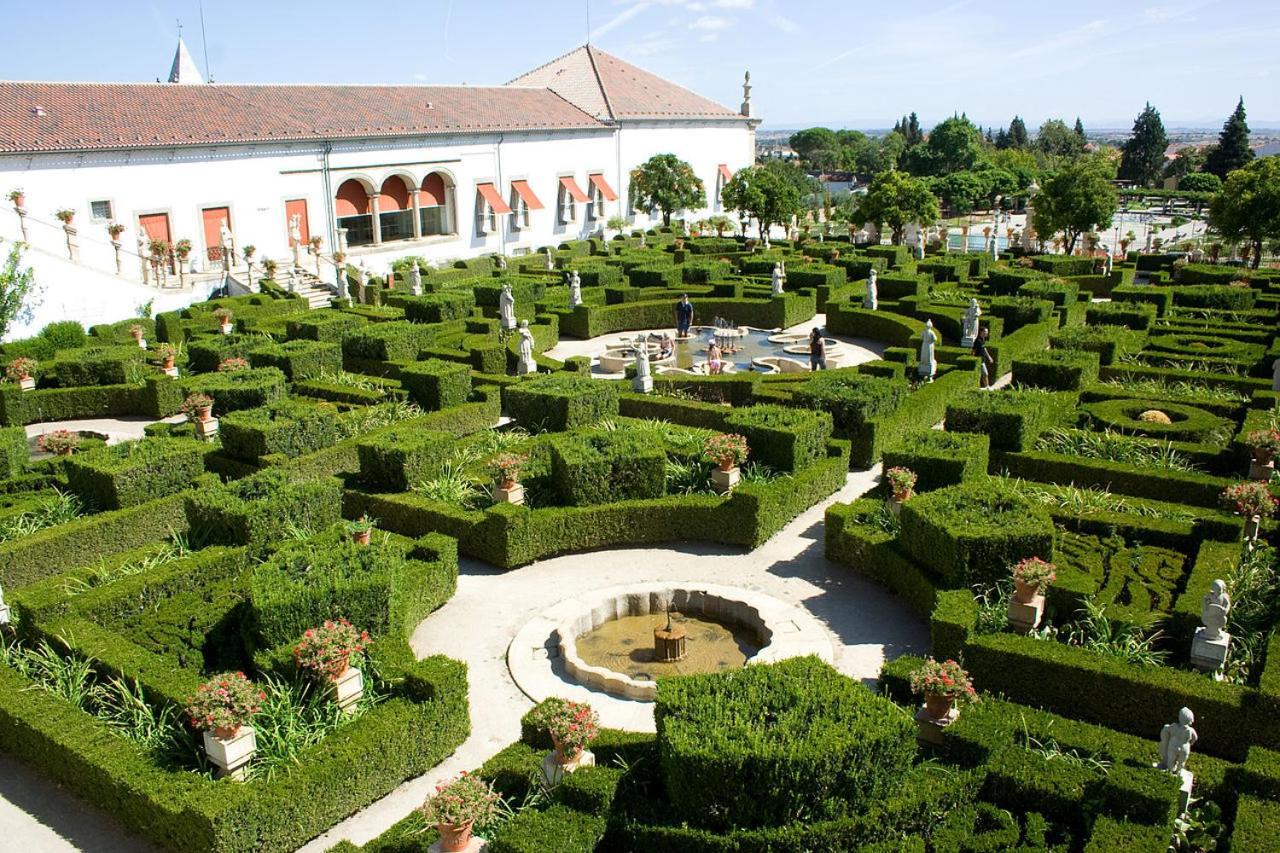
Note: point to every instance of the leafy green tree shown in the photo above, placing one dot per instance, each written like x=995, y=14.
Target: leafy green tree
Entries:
x=1142, y=159
x=764, y=194
x=1079, y=128
x=805, y=142
x=16, y=283
x=1200, y=182
x=1057, y=140
x=1232, y=151
x=961, y=192
x=1188, y=160
x=909, y=128
x=896, y=199
x=668, y=183
x=1247, y=208
x=954, y=145
x=1077, y=199
x=1017, y=135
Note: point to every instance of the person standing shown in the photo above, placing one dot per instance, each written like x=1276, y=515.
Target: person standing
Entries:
x=985, y=361
x=817, y=350
x=715, y=361
x=684, y=316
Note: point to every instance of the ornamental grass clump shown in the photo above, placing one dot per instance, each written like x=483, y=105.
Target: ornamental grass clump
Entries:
x=725, y=450
x=224, y=703
x=572, y=725
x=1249, y=498
x=325, y=652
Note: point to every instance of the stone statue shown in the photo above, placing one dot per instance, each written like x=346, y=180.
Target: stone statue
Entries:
x=4, y=609
x=642, y=244
x=970, y=323
x=1106, y=264
x=920, y=238
x=684, y=227
x=643, y=381
x=872, y=300
x=1214, y=609
x=415, y=279
x=575, y=290
x=575, y=280
x=507, y=308
x=1176, y=740
x=551, y=263
x=778, y=278
x=500, y=262
x=928, y=363
x=227, y=241
x=526, y=364
x=295, y=229
x=766, y=239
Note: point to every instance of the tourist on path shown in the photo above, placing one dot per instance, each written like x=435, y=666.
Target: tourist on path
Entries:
x=817, y=351
x=986, y=362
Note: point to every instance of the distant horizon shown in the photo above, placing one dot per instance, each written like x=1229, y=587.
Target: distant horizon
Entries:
x=1032, y=128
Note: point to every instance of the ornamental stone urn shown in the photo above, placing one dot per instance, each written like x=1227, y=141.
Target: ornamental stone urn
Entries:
x=557, y=763
x=934, y=716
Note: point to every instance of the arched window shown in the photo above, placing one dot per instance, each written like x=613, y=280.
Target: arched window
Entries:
x=351, y=207
x=395, y=210
x=436, y=204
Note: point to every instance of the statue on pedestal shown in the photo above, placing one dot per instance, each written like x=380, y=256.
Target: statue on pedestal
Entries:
x=872, y=300
x=227, y=241
x=295, y=238
x=1176, y=740
x=643, y=382
x=575, y=290
x=507, y=307
x=1215, y=606
x=526, y=364
x=551, y=263
x=778, y=278
x=500, y=262
x=928, y=362
x=415, y=279
x=970, y=323
x=362, y=281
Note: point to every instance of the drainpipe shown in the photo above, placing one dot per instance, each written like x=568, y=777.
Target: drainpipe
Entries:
x=327, y=180
x=502, y=229
x=617, y=153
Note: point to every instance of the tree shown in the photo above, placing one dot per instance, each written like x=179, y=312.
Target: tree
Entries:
x=1188, y=160
x=909, y=128
x=954, y=145
x=1079, y=198
x=1247, y=208
x=668, y=183
x=1143, y=152
x=896, y=199
x=1200, y=182
x=763, y=194
x=16, y=283
x=1079, y=128
x=1057, y=140
x=805, y=142
x=1016, y=137
x=1232, y=151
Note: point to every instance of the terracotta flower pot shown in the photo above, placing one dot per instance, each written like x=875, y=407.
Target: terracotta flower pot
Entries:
x=168, y=362
x=226, y=732
x=508, y=483
x=726, y=463
x=902, y=497
x=937, y=706
x=362, y=537
x=19, y=200
x=203, y=413
x=1023, y=592
x=454, y=837
x=66, y=451
x=346, y=667
x=563, y=754
x=1263, y=455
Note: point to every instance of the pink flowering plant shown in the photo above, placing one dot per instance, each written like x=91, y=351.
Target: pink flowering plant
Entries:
x=464, y=800
x=572, y=725
x=20, y=368
x=192, y=406
x=725, y=448
x=226, y=701
x=326, y=651
x=902, y=481
x=506, y=466
x=1249, y=498
x=1264, y=439
x=232, y=365
x=946, y=679
x=1035, y=572
x=59, y=441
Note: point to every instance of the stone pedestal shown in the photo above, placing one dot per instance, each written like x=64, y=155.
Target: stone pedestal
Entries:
x=27, y=383
x=475, y=845
x=172, y=371
x=4, y=614
x=207, y=429
x=553, y=771
x=724, y=481
x=73, y=244
x=142, y=343
x=1259, y=471
x=929, y=729
x=967, y=342
x=348, y=688
x=513, y=495
x=1209, y=655
x=1025, y=617
x=642, y=384
x=230, y=756
x=225, y=328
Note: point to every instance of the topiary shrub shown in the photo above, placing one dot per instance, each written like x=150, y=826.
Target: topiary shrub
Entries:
x=117, y=365
x=1056, y=370
x=325, y=326
x=1185, y=422
x=605, y=467
x=397, y=458
x=758, y=746
x=394, y=341
x=939, y=458
x=1019, y=311
x=1131, y=315
x=560, y=402
x=1013, y=419
x=973, y=532
x=285, y=426
x=1058, y=291
x=298, y=360
x=240, y=389
x=435, y=384
x=134, y=472
x=851, y=398
x=781, y=437
x=262, y=509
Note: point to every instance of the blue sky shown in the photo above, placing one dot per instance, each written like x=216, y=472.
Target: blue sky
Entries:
x=850, y=63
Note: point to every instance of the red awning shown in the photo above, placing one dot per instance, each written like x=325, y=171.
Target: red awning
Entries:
x=725, y=172
x=490, y=195
x=572, y=188
x=602, y=186
x=525, y=192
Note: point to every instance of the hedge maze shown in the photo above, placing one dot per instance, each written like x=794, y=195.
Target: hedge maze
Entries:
x=136, y=571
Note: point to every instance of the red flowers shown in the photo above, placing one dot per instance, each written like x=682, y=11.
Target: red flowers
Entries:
x=325, y=652
x=226, y=701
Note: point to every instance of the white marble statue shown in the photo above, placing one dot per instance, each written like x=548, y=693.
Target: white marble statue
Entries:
x=1176, y=740
x=551, y=263
x=928, y=362
x=920, y=238
x=507, y=308
x=1106, y=264
x=872, y=300
x=642, y=240
x=1215, y=606
x=970, y=323
x=684, y=227
x=295, y=229
x=500, y=262
x=575, y=289
x=778, y=278
x=415, y=279
x=643, y=381
x=227, y=241
x=526, y=364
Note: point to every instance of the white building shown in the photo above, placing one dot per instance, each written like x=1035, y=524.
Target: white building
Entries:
x=380, y=172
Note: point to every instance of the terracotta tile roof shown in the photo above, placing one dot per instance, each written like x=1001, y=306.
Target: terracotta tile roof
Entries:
x=88, y=116
x=609, y=88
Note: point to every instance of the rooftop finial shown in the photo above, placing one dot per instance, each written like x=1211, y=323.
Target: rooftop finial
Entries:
x=184, y=69
x=746, y=95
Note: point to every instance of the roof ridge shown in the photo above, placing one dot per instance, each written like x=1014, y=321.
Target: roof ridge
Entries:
x=227, y=86
x=604, y=91
x=601, y=121
x=548, y=63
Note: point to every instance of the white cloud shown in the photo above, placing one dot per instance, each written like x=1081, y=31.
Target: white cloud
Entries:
x=697, y=7
x=784, y=23
x=735, y=4
x=709, y=37
x=619, y=19
x=710, y=23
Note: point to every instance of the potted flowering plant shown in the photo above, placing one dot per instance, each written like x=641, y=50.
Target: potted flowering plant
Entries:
x=361, y=529
x=325, y=652
x=457, y=806
x=20, y=369
x=224, y=703
x=339, y=257
x=17, y=196
x=198, y=407
x=1031, y=576
x=572, y=726
x=1264, y=444
x=727, y=450
x=61, y=442
x=1249, y=498
x=182, y=249
x=944, y=685
x=269, y=269
x=506, y=468
x=902, y=481
x=233, y=364
x=136, y=330
x=115, y=229
x=223, y=316
x=65, y=215
x=167, y=353
x=248, y=251
x=316, y=242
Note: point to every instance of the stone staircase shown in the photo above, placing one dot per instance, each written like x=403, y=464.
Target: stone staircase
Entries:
x=305, y=284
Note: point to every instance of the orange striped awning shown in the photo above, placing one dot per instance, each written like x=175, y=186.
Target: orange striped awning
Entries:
x=725, y=172
x=525, y=192
x=602, y=186
x=489, y=193
x=572, y=188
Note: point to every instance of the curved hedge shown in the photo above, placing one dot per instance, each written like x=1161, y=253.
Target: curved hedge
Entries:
x=1189, y=423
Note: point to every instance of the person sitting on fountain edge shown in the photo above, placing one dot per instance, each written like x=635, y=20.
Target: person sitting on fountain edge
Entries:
x=684, y=316
x=715, y=362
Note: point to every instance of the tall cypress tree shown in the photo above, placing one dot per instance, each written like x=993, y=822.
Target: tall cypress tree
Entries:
x=914, y=134
x=1080, y=131
x=1143, y=152
x=1018, y=133
x=1232, y=150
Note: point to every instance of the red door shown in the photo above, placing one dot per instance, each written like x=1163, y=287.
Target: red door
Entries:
x=297, y=207
x=156, y=227
x=213, y=217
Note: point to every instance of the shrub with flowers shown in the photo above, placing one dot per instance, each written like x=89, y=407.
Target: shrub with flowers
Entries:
x=1249, y=498
x=1265, y=440
x=232, y=365
x=572, y=725
x=166, y=352
x=136, y=330
x=946, y=679
x=326, y=651
x=227, y=701
x=467, y=799
x=60, y=441
x=1035, y=572
x=725, y=449
x=197, y=406
x=223, y=315
x=20, y=368
x=506, y=466
x=902, y=481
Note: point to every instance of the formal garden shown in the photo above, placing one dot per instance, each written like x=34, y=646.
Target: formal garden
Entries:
x=207, y=631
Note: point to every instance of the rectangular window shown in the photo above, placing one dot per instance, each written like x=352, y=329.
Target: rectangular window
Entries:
x=568, y=211
x=488, y=219
x=100, y=210
x=433, y=221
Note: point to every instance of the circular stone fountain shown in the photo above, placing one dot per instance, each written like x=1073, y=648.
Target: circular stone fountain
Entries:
x=618, y=641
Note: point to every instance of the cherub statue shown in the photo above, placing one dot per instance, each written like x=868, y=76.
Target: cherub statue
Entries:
x=1176, y=740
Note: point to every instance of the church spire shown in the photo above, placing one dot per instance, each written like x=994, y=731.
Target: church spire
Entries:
x=184, y=69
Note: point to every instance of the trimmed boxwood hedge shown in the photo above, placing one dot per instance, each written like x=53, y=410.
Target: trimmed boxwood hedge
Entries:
x=781, y=437
x=399, y=457
x=135, y=472
x=299, y=359
x=1132, y=315
x=13, y=451
x=1013, y=419
x=327, y=326
x=939, y=458
x=851, y=398
x=1189, y=422
x=239, y=389
x=1056, y=370
x=285, y=426
x=1111, y=343
x=258, y=511
x=435, y=384
x=605, y=467
x=560, y=402
x=394, y=341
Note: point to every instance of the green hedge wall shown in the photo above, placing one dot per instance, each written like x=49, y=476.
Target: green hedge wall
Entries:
x=393, y=341
x=1056, y=370
x=606, y=467
x=285, y=426
x=783, y=438
x=1111, y=343
x=434, y=384
x=939, y=458
x=134, y=472
x=14, y=452
x=240, y=389
x=260, y=510
x=399, y=457
x=327, y=327
x=851, y=398
x=560, y=402
x=1013, y=419
x=298, y=359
